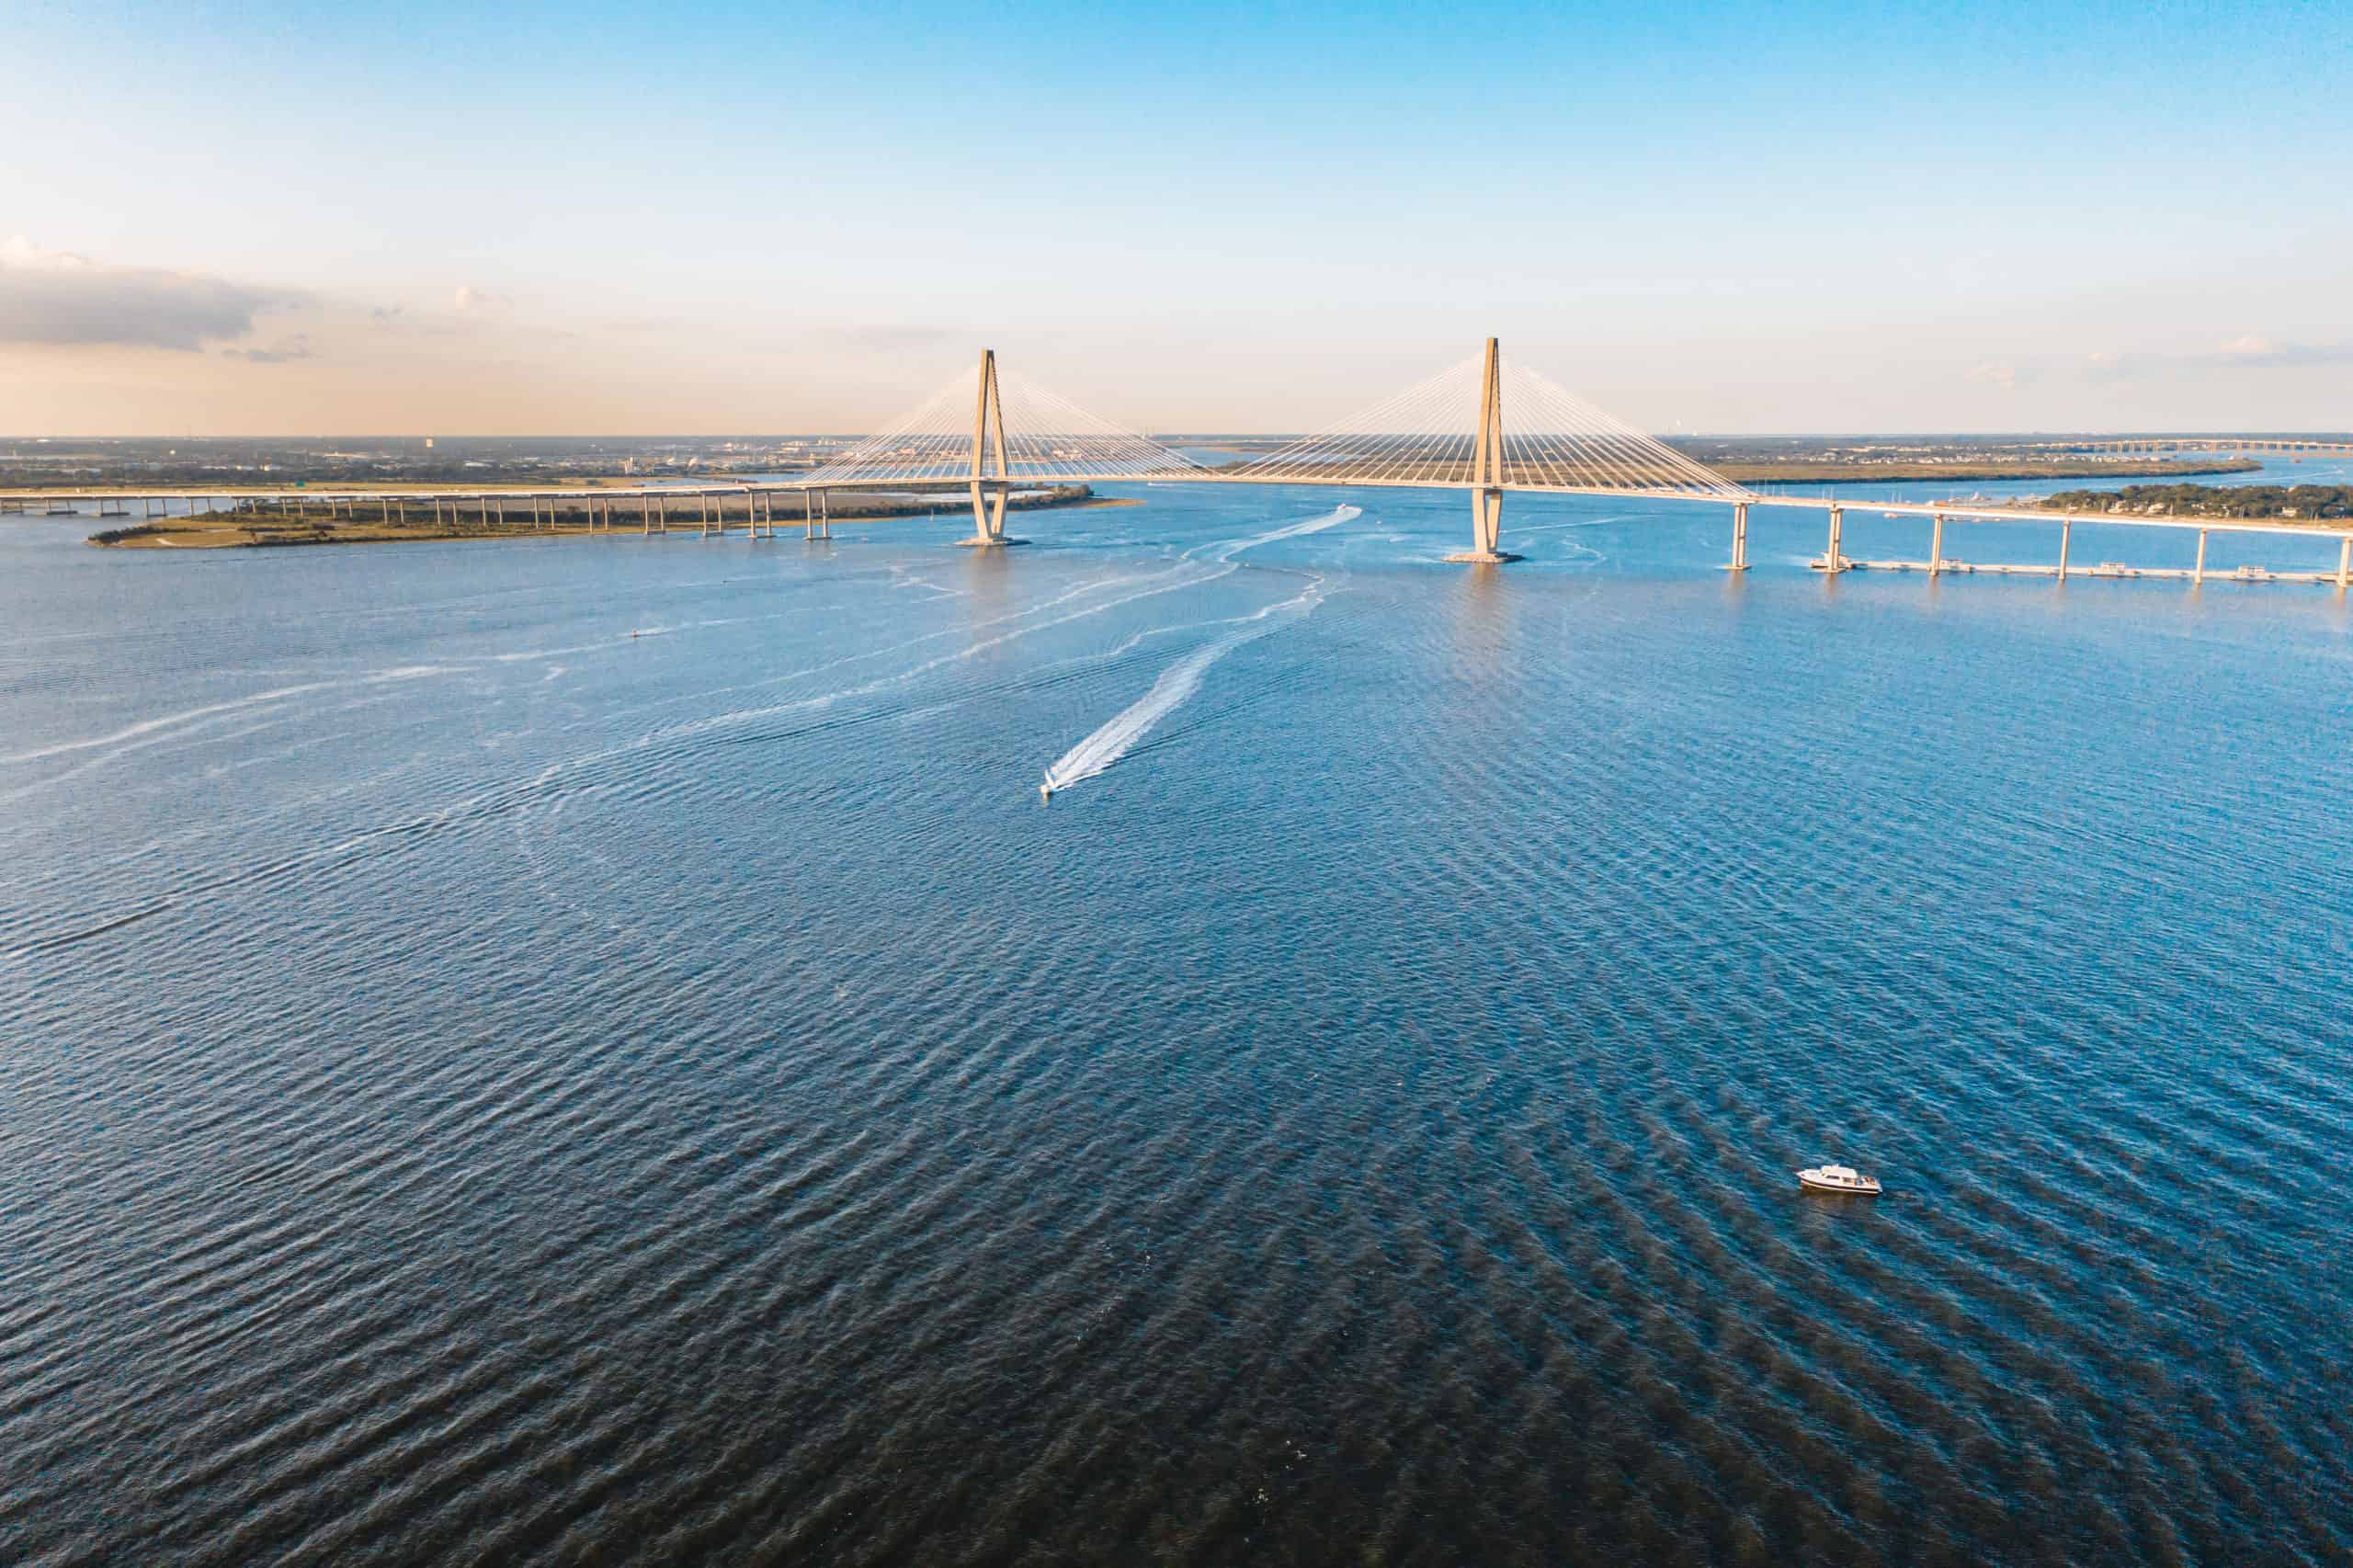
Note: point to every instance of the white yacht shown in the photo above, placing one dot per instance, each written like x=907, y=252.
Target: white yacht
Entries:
x=1839, y=1179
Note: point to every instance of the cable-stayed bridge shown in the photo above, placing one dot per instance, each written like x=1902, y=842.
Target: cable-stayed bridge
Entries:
x=1487, y=426
x=1450, y=431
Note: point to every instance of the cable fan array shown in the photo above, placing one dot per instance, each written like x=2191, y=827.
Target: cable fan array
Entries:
x=1047, y=439
x=1429, y=434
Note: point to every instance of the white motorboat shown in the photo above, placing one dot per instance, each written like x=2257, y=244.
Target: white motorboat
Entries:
x=1839, y=1179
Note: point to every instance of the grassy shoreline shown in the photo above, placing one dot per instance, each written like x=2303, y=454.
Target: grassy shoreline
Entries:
x=277, y=528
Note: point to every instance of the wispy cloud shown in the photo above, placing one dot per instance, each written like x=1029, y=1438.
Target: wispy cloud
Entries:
x=888, y=336
x=295, y=347
x=468, y=298
x=1997, y=373
x=2249, y=351
x=58, y=297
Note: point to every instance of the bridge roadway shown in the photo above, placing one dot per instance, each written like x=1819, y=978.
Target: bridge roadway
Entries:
x=651, y=503
x=2216, y=444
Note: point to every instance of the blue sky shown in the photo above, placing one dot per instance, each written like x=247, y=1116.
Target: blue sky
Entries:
x=732, y=218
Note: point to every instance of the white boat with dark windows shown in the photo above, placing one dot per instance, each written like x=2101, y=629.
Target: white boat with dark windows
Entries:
x=1839, y=1179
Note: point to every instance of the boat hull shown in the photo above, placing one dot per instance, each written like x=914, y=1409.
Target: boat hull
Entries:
x=1814, y=1185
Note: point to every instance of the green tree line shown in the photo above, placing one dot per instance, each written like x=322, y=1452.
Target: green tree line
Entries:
x=2214, y=500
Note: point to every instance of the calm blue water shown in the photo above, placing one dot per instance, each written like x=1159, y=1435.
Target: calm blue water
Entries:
x=563, y=1050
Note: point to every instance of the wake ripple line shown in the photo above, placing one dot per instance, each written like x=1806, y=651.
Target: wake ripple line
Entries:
x=1180, y=680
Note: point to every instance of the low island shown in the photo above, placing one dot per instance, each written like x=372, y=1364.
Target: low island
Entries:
x=348, y=519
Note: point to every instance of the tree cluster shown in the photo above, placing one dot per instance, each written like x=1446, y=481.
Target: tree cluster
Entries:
x=2299, y=501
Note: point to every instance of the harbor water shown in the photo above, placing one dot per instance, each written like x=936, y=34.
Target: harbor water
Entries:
x=598, y=1050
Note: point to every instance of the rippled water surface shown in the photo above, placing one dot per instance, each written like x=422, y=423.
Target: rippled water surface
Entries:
x=597, y=1050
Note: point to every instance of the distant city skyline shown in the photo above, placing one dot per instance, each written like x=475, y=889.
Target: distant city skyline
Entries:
x=594, y=221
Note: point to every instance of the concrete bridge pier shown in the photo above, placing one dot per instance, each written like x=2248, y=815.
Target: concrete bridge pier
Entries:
x=2064, y=525
x=2198, y=576
x=2343, y=563
x=1487, y=468
x=988, y=516
x=1832, y=561
x=1487, y=520
x=1937, y=546
x=988, y=437
x=1739, y=537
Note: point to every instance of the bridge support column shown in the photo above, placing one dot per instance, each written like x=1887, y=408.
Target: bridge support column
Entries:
x=1832, y=561
x=1937, y=546
x=988, y=432
x=2343, y=563
x=1487, y=468
x=1739, y=537
x=2064, y=525
x=2198, y=572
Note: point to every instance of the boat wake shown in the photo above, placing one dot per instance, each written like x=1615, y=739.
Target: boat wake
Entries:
x=1234, y=547
x=1180, y=681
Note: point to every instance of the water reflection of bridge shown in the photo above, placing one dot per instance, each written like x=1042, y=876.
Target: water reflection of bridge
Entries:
x=1487, y=426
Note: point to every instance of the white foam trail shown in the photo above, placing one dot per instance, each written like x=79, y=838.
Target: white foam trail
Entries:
x=1232, y=548
x=1177, y=683
x=191, y=718
x=148, y=726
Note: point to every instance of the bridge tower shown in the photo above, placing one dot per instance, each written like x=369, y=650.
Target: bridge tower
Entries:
x=1487, y=466
x=988, y=428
